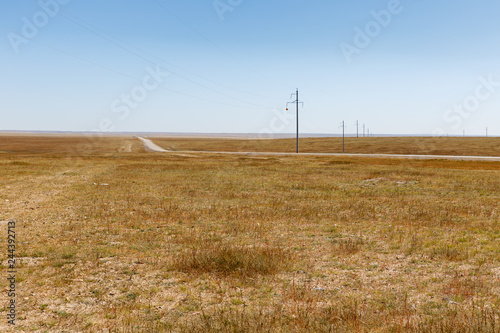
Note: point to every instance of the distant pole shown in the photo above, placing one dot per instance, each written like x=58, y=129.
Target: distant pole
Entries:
x=357, y=128
x=486, y=131
x=343, y=136
x=342, y=124
x=297, y=116
x=297, y=109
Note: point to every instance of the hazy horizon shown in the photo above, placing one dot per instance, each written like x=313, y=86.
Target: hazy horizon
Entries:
x=237, y=134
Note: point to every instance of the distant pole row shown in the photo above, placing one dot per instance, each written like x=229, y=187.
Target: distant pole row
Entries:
x=366, y=131
x=297, y=102
x=463, y=133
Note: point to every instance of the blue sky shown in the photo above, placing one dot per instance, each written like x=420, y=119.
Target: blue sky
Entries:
x=225, y=66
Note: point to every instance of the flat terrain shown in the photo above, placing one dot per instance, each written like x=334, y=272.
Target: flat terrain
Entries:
x=113, y=239
x=376, y=145
x=69, y=145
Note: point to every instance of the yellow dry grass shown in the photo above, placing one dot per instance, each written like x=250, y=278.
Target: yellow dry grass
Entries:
x=472, y=146
x=140, y=242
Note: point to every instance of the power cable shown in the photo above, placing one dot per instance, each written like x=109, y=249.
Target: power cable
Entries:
x=100, y=32
x=253, y=70
x=152, y=62
x=127, y=75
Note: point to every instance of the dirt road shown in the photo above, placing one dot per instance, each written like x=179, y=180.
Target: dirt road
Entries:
x=150, y=146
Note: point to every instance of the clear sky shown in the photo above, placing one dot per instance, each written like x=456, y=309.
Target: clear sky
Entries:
x=225, y=66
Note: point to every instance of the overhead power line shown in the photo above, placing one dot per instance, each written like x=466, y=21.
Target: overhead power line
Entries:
x=253, y=70
x=73, y=19
x=107, y=37
x=127, y=75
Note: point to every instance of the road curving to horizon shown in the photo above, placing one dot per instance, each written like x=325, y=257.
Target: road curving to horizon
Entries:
x=152, y=147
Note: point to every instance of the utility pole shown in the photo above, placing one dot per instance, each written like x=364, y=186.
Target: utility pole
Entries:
x=486, y=131
x=342, y=124
x=297, y=115
x=357, y=128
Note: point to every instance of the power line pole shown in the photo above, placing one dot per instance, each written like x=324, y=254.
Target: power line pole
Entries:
x=486, y=131
x=342, y=124
x=357, y=128
x=297, y=115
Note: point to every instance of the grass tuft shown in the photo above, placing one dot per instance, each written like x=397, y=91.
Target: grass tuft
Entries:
x=348, y=246
x=221, y=257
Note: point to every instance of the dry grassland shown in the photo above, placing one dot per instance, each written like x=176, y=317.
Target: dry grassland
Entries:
x=473, y=146
x=141, y=242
